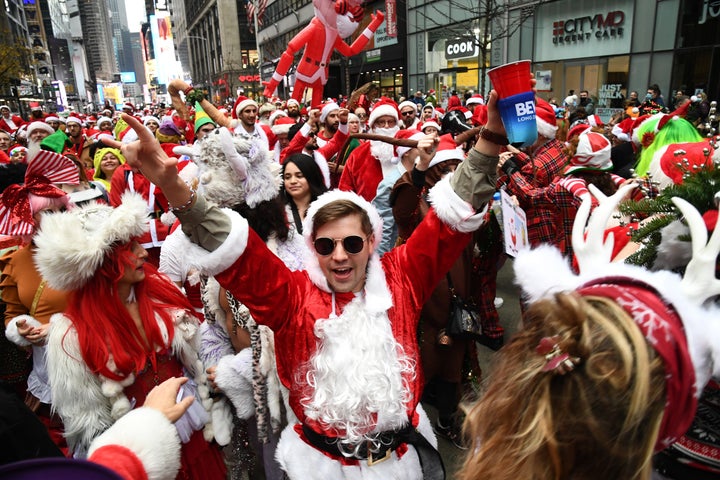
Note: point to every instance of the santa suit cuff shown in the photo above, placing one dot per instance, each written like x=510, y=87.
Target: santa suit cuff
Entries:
x=305, y=129
x=149, y=436
x=11, y=330
x=452, y=210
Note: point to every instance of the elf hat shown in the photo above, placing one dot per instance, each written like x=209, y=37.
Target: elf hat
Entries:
x=201, y=118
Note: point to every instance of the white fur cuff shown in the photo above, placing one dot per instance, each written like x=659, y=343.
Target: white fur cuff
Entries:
x=234, y=377
x=11, y=331
x=453, y=210
x=151, y=437
x=219, y=260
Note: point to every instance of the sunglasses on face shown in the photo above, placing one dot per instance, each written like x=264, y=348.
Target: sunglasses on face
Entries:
x=407, y=114
x=325, y=246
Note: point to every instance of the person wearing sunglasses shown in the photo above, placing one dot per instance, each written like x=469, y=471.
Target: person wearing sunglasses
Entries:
x=408, y=114
x=345, y=327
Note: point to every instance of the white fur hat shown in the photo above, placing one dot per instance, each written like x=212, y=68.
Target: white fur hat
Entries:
x=38, y=125
x=72, y=245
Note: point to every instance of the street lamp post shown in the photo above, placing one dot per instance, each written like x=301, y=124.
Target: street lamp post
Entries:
x=207, y=59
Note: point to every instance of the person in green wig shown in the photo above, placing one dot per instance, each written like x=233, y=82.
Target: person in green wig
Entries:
x=106, y=161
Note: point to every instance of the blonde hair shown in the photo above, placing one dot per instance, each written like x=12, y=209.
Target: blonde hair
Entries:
x=598, y=421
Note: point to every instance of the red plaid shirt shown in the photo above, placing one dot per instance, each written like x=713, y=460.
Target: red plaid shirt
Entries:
x=535, y=173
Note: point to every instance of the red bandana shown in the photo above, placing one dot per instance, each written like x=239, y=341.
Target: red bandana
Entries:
x=661, y=325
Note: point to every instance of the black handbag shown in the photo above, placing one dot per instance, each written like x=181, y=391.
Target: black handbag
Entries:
x=464, y=318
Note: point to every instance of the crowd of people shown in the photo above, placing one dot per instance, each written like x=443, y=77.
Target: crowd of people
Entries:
x=297, y=266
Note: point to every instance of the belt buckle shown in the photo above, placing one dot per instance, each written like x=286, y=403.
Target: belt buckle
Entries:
x=371, y=460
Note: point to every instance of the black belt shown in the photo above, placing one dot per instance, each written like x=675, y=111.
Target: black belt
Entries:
x=377, y=451
x=317, y=63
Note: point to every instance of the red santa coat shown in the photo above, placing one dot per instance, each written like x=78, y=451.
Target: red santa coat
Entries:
x=17, y=120
x=362, y=173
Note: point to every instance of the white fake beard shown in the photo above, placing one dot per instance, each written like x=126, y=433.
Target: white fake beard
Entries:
x=357, y=381
x=384, y=152
x=346, y=26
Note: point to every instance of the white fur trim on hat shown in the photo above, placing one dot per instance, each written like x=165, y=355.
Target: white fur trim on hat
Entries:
x=377, y=295
x=407, y=103
x=322, y=164
x=52, y=118
x=150, y=436
x=11, y=331
x=327, y=109
x=380, y=111
x=445, y=155
x=402, y=150
x=453, y=210
x=105, y=119
x=38, y=125
x=72, y=119
x=244, y=104
x=151, y=118
x=293, y=101
x=545, y=129
x=72, y=245
x=431, y=123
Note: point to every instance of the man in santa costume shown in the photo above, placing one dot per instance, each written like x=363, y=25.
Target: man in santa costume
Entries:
x=371, y=161
x=346, y=327
x=245, y=115
x=9, y=122
x=409, y=114
x=329, y=121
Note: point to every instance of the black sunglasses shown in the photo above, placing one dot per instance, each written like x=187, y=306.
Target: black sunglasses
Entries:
x=407, y=114
x=325, y=246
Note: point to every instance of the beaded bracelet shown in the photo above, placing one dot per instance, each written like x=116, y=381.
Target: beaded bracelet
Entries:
x=185, y=206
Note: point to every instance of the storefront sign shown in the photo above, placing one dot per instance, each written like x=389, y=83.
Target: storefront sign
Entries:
x=573, y=28
x=606, y=114
x=391, y=18
x=711, y=9
x=372, y=55
x=461, y=48
x=609, y=91
x=583, y=29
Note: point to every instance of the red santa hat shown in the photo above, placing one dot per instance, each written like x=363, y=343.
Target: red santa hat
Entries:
x=593, y=153
x=480, y=115
x=52, y=118
x=447, y=150
x=282, y=125
x=407, y=103
x=241, y=104
x=326, y=109
x=623, y=130
x=545, y=118
x=292, y=101
x=430, y=123
x=431, y=91
x=383, y=107
x=128, y=106
x=439, y=112
x=577, y=130
x=74, y=119
x=410, y=133
x=276, y=115
x=595, y=121
x=636, y=126
x=39, y=125
x=476, y=99
x=671, y=163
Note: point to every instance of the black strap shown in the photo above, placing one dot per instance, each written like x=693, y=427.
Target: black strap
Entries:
x=296, y=217
x=430, y=460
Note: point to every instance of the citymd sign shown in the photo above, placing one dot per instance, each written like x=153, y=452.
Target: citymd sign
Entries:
x=461, y=48
x=580, y=29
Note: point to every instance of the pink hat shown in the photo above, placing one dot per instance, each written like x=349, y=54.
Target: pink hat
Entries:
x=410, y=133
x=593, y=153
x=241, y=104
x=447, y=150
x=476, y=99
x=384, y=106
x=545, y=117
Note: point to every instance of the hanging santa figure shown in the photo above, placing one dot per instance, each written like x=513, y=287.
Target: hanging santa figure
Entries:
x=333, y=21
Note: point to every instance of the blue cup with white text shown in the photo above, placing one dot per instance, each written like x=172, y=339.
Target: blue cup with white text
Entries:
x=516, y=101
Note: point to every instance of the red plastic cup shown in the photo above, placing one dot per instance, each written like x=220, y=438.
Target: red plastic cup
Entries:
x=511, y=79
